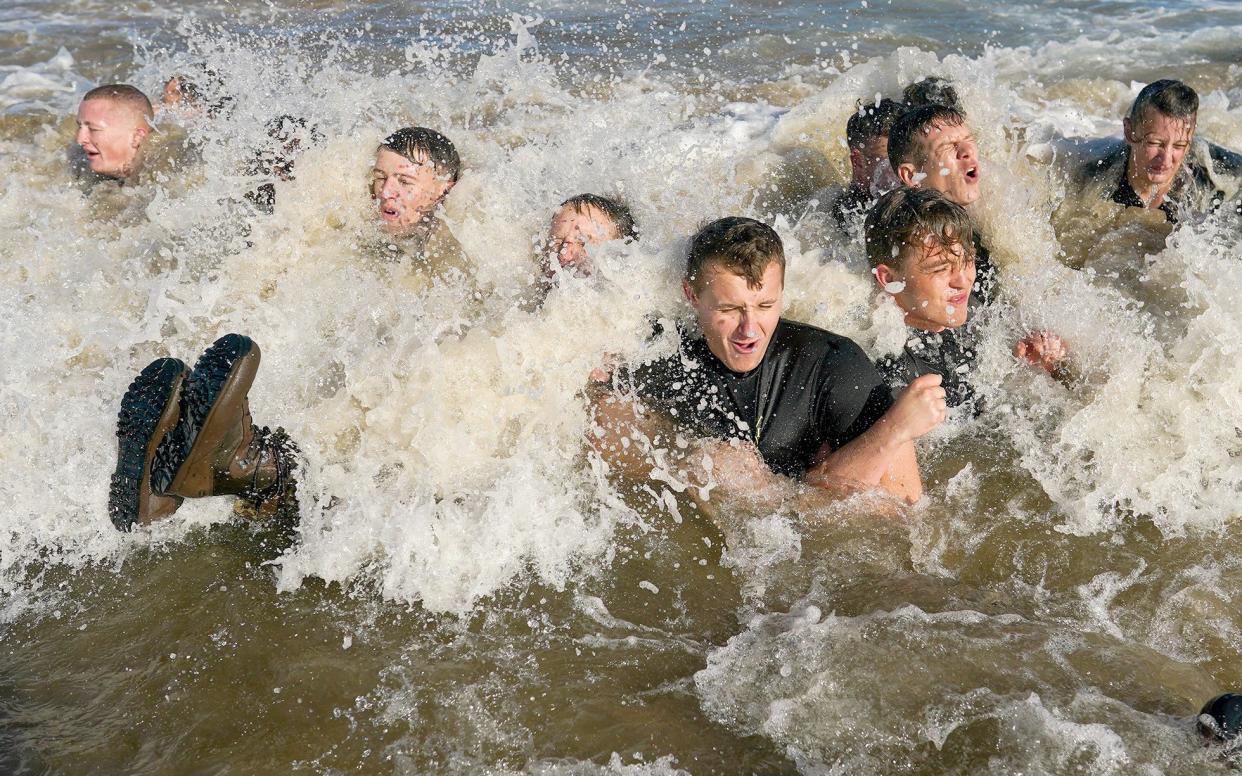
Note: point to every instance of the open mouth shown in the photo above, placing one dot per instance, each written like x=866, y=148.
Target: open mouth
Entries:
x=389, y=212
x=972, y=174
x=746, y=347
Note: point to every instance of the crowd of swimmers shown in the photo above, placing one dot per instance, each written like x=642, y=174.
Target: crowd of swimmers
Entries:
x=805, y=402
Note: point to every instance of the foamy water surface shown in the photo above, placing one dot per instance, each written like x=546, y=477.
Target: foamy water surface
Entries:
x=469, y=588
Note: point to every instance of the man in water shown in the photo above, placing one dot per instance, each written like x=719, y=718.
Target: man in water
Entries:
x=866, y=133
x=415, y=169
x=920, y=246
x=114, y=122
x=1160, y=165
x=807, y=401
x=932, y=147
x=582, y=222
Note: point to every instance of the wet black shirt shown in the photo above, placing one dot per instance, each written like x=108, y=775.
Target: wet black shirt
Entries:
x=812, y=387
x=1172, y=205
x=950, y=353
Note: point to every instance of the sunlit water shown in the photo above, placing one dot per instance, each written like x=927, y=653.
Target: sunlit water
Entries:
x=483, y=594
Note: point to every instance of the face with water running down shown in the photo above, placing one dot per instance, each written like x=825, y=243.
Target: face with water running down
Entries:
x=931, y=283
x=573, y=232
x=1158, y=145
x=406, y=192
x=737, y=320
x=110, y=134
x=949, y=163
x=870, y=164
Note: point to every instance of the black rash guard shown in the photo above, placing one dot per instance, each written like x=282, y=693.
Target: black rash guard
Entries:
x=950, y=353
x=812, y=387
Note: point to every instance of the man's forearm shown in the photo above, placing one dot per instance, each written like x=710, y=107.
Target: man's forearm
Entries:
x=880, y=456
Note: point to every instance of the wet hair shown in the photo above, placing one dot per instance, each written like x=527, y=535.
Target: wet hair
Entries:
x=871, y=121
x=1224, y=718
x=419, y=144
x=124, y=94
x=205, y=89
x=1171, y=97
x=740, y=245
x=618, y=212
x=932, y=90
x=907, y=217
x=292, y=136
x=903, y=137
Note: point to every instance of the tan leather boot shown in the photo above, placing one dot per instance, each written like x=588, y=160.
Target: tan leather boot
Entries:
x=150, y=409
x=216, y=449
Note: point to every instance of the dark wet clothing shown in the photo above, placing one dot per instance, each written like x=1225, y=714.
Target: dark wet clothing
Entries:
x=986, y=279
x=853, y=203
x=812, y=388
x=1194, y=191
x=951, y=353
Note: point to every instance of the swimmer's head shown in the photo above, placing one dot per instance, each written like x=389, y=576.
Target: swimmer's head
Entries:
x=735, y=281
x=932, y=90
x=113, y=122
x=201, y=92
x=921, y=250
x=866, y=133
x=1220, y=719
x=583, y=222
x=1159, y=130
x=932, y=147
x=415, y=168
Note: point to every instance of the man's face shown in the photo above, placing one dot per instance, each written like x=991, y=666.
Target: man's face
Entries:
x=110, y=134
x=932, y=286
x=871, y=166
x=1158, y=144
x=737, y=321
x=951, y=163
x=573, y=231
x=406, y=193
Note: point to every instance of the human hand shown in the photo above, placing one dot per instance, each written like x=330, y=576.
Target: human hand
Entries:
x=1042, y=349
x=920, y=408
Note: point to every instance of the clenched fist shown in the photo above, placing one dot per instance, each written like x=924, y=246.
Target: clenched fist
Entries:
x=919, y=408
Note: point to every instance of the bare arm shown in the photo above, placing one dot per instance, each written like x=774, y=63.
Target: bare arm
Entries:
x=884, y=455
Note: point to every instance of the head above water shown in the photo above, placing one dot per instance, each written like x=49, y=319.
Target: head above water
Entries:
x=415, y=168
x=932, y=147
x=735, y=281
x=200, y=90
x=932, y=90
x=583, y=222
x=1159, y=130
x=920, y=246
x=114, y=121
x=866, y=133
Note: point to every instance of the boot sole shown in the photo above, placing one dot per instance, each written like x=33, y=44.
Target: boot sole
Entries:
x=149, y=411
x=222, y=377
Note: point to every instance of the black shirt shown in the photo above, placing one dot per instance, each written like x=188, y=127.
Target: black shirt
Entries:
x=1191, y=176
x=950, y=353
x=812, y=387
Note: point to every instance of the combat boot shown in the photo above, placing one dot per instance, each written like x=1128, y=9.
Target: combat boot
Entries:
x=150, y=410
x=216, y=449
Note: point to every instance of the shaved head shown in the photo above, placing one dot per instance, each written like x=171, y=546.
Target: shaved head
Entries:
x=124, y=96
x=113, y=123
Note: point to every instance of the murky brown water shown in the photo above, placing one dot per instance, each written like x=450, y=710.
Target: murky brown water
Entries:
x=482, y=596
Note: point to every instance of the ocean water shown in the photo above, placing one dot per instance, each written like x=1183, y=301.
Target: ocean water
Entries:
x=483, y=595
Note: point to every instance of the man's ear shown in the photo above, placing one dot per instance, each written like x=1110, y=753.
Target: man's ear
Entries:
x=857, y=161
x=688, y=291
x=1127, y=128
x=140, y=134
x=906, y=172
x=885, y=274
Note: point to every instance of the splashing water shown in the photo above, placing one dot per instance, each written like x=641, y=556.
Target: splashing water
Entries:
x=469, y=587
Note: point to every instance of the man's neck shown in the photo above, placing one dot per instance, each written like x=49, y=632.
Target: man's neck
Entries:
x=1147, y=191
